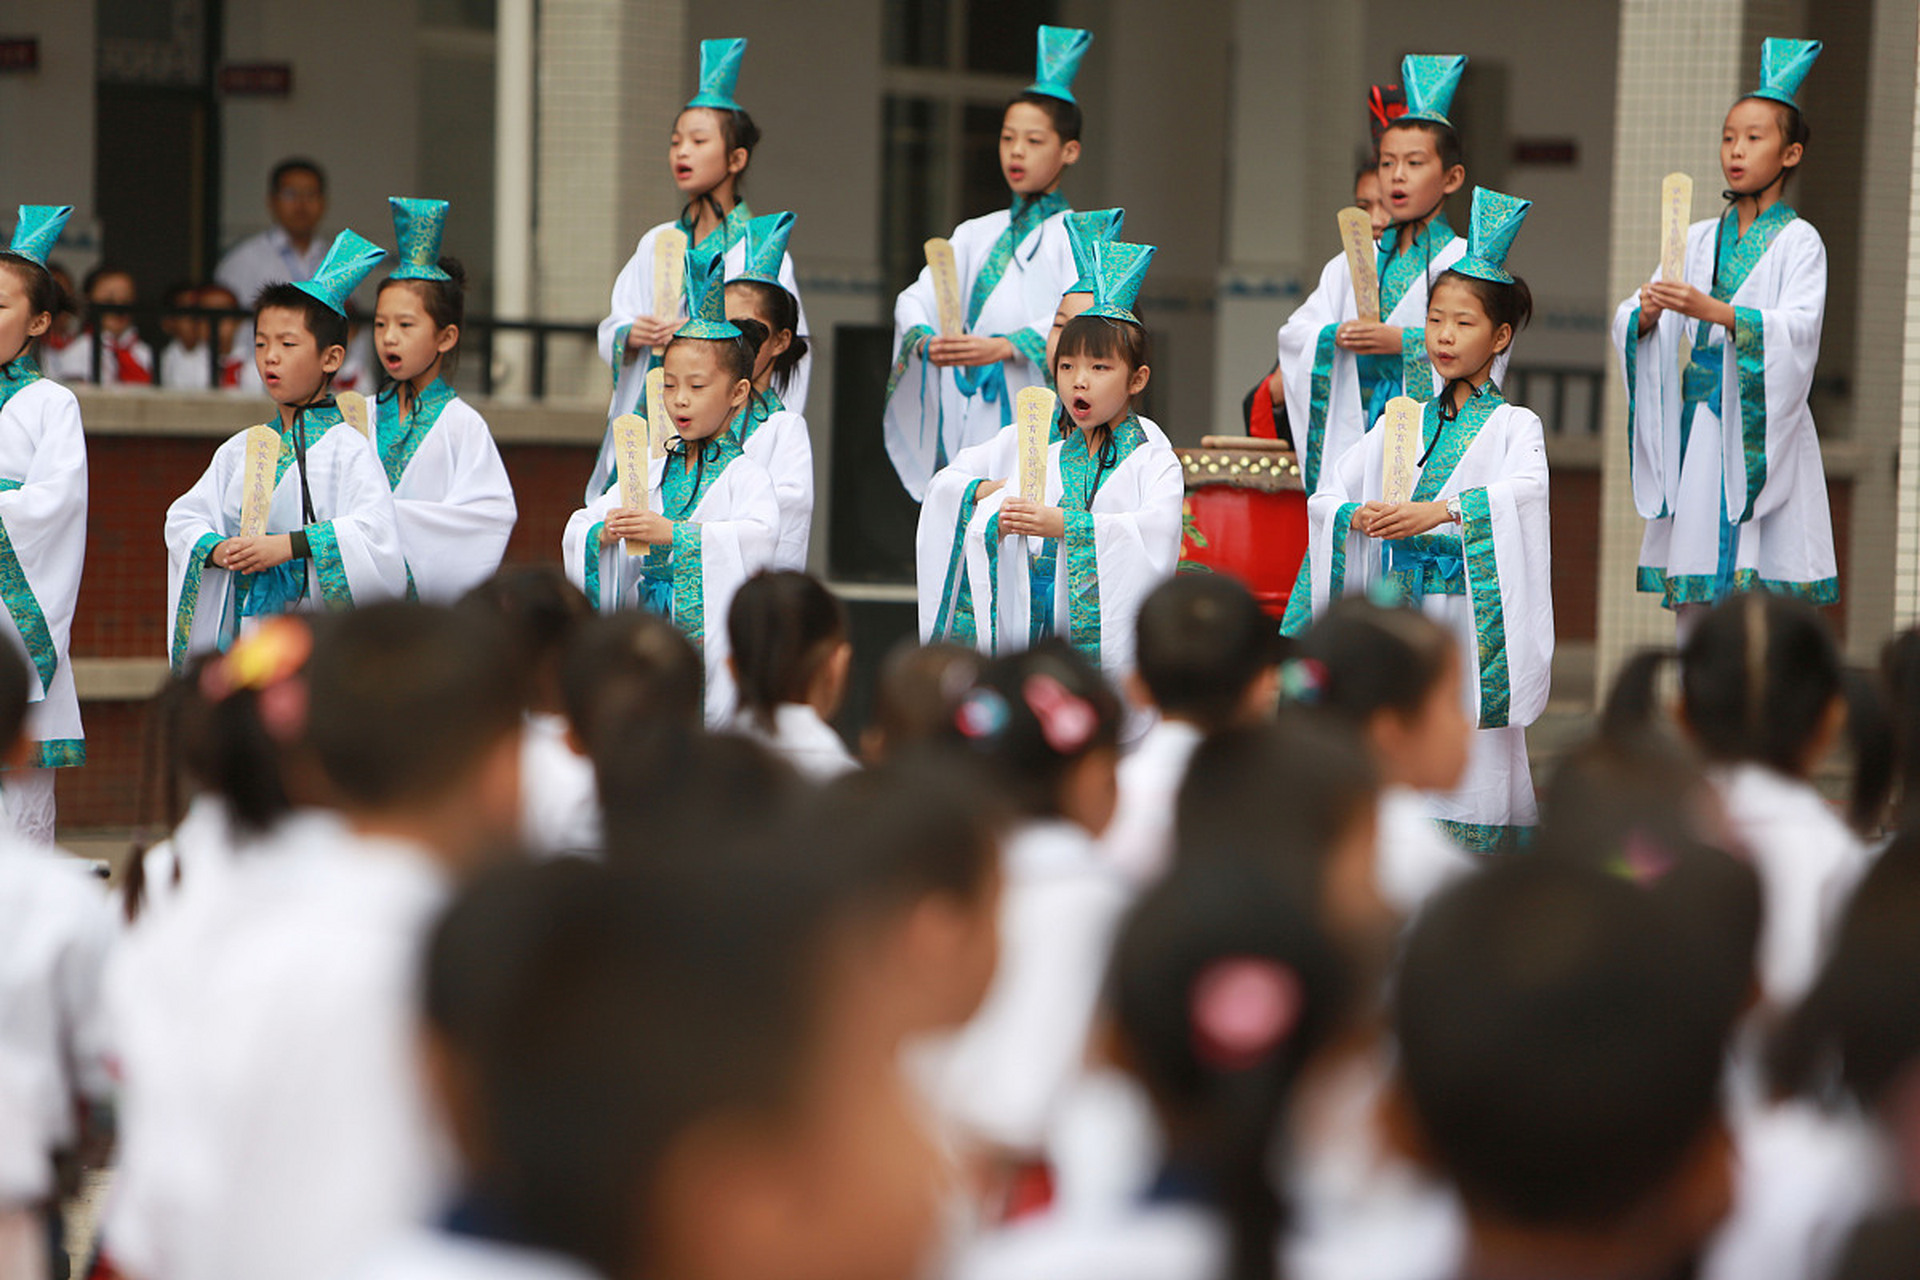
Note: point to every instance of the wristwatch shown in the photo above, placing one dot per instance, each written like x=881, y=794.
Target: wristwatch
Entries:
x=1453, y=510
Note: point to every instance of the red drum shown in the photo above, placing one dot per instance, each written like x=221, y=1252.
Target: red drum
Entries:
x=1246, y=514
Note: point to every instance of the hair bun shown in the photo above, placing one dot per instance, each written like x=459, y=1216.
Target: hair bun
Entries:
x=1242, y=1008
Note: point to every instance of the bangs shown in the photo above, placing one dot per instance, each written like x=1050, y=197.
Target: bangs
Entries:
x=1103, y=337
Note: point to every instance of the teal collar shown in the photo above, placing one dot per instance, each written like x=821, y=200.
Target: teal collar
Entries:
x=1444, y=441
x=1399, y=268
x=1736, y=255
x=731, y=227
x=691, y=468
x=19, y=372
x=761, y=405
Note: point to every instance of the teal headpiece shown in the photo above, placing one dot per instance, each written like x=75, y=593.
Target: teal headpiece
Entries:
x=766, y=242
x=707, y=297
x=1431, y=80
x=1783, y=67
x=1496, y=221
x=719, y=72
x=1119, y=269
x=1061, y=49
x=351, y=259
x=39, y=230
x=417, y=228
x=1084, y=230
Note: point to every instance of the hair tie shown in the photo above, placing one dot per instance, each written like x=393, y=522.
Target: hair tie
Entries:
x=1303, y=680
x=1241, y=1009
x=982, y=714
x=1067, y=721
x=1642, y=860
x=267, y=661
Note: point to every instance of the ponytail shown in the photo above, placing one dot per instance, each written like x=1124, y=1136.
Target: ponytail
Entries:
x=1631, y=707
x=783, y=627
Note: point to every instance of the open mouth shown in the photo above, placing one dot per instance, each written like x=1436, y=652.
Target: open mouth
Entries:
x=1016, y=172
x=393, y=360
x=1080, y=406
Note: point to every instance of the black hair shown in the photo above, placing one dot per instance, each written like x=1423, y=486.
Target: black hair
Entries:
x=1031, y=717
x=678, y=802
x=407, y=699
x=328, y=327
x=44, y=294
x=1201, y=641
x=774, y=302
x=1066, y=117
x=629, y=670
x=1793, y=122
x=541, y=610
x=1368, y=658
x=296, y=164
x=923, y=824
x=739, y=133
x=1508, y=304
x=782, y=627
x=1884, y=1246
x=736, y=355
x=1445, y=138
x=1103, y=336
x=1757, y=678
x=593, y=1018
x=1859, y=1025
x=179, y=295
x=1204, y=944
x=15, y=689
x=1561, y=1051
x=1638, y=802
x=1369, y=167
x=916, y=692
x=1282, y=795
x=445, y=300
x=101, y=272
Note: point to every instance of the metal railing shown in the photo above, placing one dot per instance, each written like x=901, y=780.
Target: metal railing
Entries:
x=1567, y=397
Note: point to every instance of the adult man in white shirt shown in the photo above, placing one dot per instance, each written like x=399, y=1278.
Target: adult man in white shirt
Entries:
x=290, y=249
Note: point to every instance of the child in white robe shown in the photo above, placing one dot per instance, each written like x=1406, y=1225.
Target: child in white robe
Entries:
x=999, y=571
x=1395, y=676
x=948, y=392
x=712, y=514
x=1471, y=547
x=450, y=490
x=43, y=522
x=712, y=144
x=333, y=539
x=790, y=657
x=1718, y=366
x=1337, y=370
x=770, y=433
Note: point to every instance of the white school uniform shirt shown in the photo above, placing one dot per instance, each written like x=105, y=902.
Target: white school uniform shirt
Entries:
x=559, y=796
x=1414, y=858
x=1138, y=843
x=736, y=520
x=1809, y=863
x=26, y=1174
x=929, y=419
x=58, y=933
x=279, y=1124
x=73, y=363
x=802, y=739
x=1135, y=520
x=355, y=544
x=1003, y=1077
x=451, y=494
x=440, y=1255
x=198, y=851
x=1752, y=452
x=43, y=511
x=1174, y=1241
x=184, y=369
x=776, y=438
x=1499, y=472
x=269, y=257
x=633, y=297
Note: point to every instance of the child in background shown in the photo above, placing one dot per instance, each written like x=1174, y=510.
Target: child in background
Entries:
x=43, y=520
x=124, y=359
x=946, y=393
x=1394, y=676
x=790, y=660
x=1762, y=697
x=712, y=516
x=1220, y=992
x=1725, y=461
x=334, y=540
x=769, y=432
x=1560, y=1062
x=712, y=144
x=451, y=494
x=1470, y=547
x=542, y=613
x=1208, y=660
x=914, y=697
x=1045, y=730
x=186, y=341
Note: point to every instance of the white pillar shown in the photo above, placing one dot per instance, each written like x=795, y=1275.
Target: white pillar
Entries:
x=513, y=186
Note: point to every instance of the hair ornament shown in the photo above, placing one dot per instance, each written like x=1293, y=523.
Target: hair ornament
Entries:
x=1067, y=721
x=982, y=714
x=1242, y=1008
x=1303, y=680
x=267, y=661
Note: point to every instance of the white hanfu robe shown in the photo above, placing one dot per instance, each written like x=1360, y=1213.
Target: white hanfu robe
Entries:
x=277, y=1121
x=43, y=548
x=1333, y=395
x=1734, y=498
x=354, y=540
x=776, y=437
x=724, y=533
x=1160, y=1240
x=633, y=298
x=1487, y=580
x=1013, y=265
x=451, y=493
x=977, y=588
x=442, y=1255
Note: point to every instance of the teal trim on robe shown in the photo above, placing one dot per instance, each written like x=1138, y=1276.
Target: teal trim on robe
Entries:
x=324, y=549
x=16, y=593
x=596, y=538
x=59, y=753
x=1027, y=214
x=1486, y=837
x=1489, y=612
x=197, y=561
x=397, y=441
x=959, y=605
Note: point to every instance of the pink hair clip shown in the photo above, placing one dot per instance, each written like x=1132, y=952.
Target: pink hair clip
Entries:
x=1067, y=720
x=1243, y=1007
